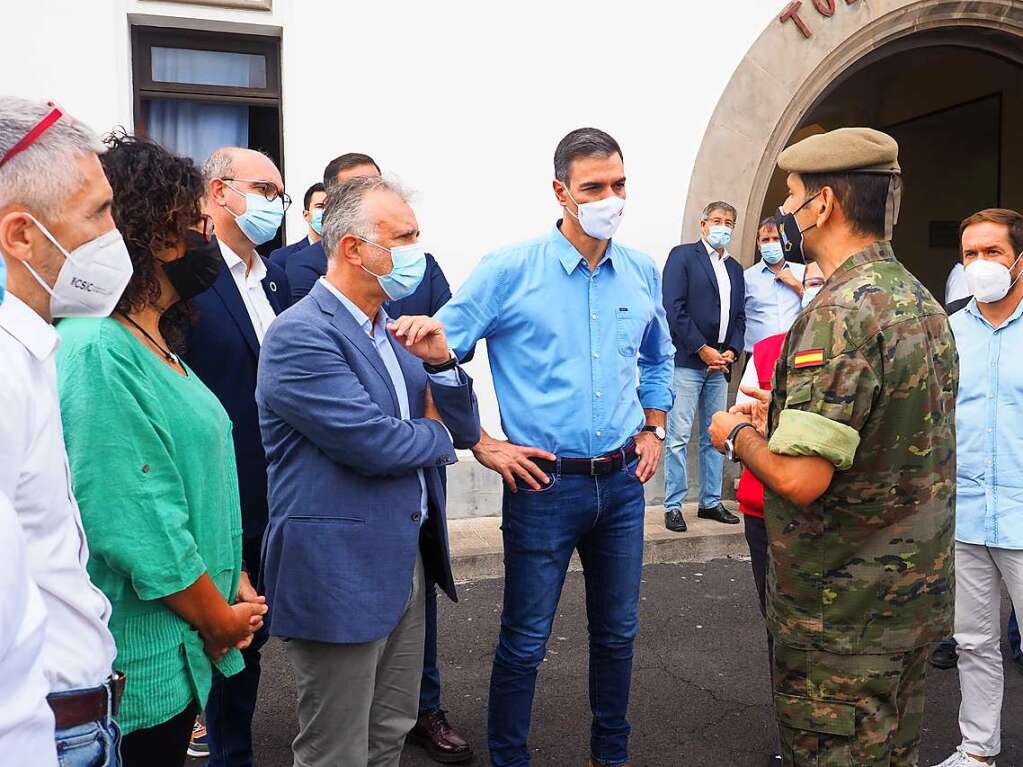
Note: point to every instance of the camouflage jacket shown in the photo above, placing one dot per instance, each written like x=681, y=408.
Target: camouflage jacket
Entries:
x=867, y=379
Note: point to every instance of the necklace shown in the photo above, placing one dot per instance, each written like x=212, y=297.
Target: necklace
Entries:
x=171, y=356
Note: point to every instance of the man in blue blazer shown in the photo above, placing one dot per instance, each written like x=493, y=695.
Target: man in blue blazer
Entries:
x=355, y=429
x=312, y=212
x=228, y=326
x=704, y=298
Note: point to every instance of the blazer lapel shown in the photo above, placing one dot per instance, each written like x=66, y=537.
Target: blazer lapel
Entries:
x=700, y=254
x=227, y=290
x=411, y=369
x=274, y=293
x=345, y=322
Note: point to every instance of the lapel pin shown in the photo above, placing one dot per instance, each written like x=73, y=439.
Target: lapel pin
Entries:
x=273, y=286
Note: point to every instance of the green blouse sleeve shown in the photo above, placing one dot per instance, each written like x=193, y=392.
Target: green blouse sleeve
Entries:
x=128, y=488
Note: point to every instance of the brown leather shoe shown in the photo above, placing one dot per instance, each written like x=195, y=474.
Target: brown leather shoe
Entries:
x=445, y=746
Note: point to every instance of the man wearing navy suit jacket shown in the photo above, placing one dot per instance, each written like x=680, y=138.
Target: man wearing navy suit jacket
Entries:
x=223, y=345
x=358, y=414
x=306, y=266
x=704, y=298
x=312, y=212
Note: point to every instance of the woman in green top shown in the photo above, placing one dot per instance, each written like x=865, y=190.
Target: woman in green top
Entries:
x=152, y=463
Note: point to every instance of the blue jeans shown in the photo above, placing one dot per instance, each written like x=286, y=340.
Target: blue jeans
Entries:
x=708, y=393
x=429, y=689
x=602, y=518
x=96, y=744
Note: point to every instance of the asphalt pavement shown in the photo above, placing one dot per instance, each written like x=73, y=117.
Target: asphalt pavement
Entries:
x=700, y=692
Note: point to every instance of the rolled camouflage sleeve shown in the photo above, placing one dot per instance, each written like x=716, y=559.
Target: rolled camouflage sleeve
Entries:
x=826, y=406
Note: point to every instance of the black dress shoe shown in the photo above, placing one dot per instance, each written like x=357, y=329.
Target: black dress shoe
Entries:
x=719, y=514
x=445, y=746
x=674, y=522
x=944, y=655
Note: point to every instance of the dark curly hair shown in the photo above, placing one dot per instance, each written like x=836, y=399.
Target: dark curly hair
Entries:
x=157, y=198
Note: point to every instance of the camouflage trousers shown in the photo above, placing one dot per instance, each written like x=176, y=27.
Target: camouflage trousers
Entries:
x=849, y=710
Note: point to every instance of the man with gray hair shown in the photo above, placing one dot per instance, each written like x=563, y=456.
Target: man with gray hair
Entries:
x=355, y=429
x=64, y=258
x=704, y=298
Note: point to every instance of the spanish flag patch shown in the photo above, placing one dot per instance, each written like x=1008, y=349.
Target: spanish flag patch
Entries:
x=808, y=358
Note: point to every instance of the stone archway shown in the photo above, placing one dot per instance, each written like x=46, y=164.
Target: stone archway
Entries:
x=786, y=73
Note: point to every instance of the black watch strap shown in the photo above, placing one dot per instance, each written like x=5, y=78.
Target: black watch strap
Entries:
x=443, y=367
x=737, y=428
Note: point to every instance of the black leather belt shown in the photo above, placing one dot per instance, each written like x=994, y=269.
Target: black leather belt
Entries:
x=72, y=709
x=594, y=467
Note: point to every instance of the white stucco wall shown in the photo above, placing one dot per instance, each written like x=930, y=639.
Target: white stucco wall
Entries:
x=464, y=102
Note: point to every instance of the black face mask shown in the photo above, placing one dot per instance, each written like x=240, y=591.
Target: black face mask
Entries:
x=791, y=234
x=197, y=270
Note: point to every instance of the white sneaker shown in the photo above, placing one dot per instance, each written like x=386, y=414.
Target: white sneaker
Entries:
x=961, y=759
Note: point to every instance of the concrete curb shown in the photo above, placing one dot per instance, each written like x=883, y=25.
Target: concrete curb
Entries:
x=477, y=553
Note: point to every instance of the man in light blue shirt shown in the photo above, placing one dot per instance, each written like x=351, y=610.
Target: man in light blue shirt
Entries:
x=989, y=473
x=774, y=288
x=582, y=362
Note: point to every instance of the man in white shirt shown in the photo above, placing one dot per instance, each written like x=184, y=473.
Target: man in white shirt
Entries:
x=246, y=201
x=774, y=288
x=26, y=719
x=55, y=201
x=704, y=294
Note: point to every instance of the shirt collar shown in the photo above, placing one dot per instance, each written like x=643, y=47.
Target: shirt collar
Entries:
x=972, y=308
x=569, y=257
x=28, y=328
x=360, y=316
x=235, y=263
x=713, y=253
x=766, y=267
x=876, y=251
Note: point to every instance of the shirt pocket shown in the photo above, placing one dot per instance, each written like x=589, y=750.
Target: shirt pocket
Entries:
x=630, y=324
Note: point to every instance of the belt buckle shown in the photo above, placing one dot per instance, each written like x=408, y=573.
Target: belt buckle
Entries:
x=595, y=462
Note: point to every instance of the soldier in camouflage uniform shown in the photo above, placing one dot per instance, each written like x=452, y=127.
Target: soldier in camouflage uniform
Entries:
x=859, y=468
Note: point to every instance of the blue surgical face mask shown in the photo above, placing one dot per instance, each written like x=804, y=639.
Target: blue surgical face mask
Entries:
x=810, y=294
x=771, y=252
x=316, y=221
x=408, y=265
x=719, y=237
x=261, y=219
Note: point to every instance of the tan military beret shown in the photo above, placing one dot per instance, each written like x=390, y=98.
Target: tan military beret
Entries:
x=847, y=150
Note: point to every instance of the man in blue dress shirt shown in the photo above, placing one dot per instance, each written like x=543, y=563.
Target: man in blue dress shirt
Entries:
x=581, y=357
x=774, y=288
x=989, y=470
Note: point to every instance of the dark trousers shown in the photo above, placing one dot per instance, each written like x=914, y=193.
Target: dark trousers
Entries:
x=602, y=518
x=232, y=701
x=161, y=746
x=429, y=689
x=756, y=539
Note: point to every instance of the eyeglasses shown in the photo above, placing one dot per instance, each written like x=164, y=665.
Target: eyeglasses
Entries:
x=721, y=222
x=268, y=189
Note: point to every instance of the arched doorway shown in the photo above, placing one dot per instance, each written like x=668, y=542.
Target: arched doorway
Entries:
x=945, y=77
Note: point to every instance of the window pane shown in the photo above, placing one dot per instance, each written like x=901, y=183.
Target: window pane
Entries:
x=194, y=67
x=195, y=129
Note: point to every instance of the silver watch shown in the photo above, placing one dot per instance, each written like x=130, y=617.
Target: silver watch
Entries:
x=658, y=431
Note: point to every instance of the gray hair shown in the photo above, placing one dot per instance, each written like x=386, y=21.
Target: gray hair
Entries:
x=724, y=207
x=218, y=165
x=42, y=176
x=344, y=210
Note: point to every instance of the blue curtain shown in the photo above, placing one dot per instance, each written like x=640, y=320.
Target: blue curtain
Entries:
x=193, y=128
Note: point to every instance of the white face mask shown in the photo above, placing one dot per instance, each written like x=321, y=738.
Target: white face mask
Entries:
x=599, y=219
x=990, y=281
x=92, y=279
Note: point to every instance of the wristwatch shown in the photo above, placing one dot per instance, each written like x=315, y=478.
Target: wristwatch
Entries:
x=451, y=364
x=730, y=442
x=658, y=431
